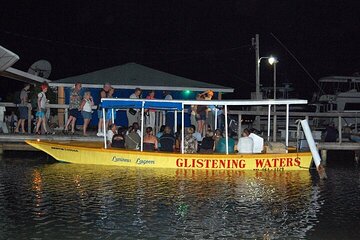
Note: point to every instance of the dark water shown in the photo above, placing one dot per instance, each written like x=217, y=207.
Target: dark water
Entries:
x=41, y=199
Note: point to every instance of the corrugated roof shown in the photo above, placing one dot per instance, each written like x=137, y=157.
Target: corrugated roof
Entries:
x=132, y=75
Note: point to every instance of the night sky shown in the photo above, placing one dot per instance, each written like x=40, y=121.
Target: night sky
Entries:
x=203, y=40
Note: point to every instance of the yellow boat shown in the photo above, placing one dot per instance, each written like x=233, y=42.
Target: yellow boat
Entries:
x=92, y=153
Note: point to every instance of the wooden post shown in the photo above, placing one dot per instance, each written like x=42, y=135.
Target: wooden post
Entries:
x=323, y=156
x=340, y=131
x=29, y=117
x=357, y=155
x=239, y=126
x=61, y=100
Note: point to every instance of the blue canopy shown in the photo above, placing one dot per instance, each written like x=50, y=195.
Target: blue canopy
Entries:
x=138, y=103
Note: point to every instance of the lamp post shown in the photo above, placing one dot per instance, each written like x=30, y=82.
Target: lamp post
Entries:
x=272, y=61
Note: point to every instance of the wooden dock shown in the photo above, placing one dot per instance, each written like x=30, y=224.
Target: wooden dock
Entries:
x=16, y=142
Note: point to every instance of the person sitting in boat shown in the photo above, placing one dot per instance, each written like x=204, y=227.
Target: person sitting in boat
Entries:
x=159, y=134
x=118, y=140
x=217, y=135
x=167, y=141
x=245, y=143
x=190, y=142
x=207, y=144
x=132, y=139
x=220, y=146
x=136, y=128
x=110, y=133
x=258, y=143
x=178, y=138
x=150, y=141
x=196, y=134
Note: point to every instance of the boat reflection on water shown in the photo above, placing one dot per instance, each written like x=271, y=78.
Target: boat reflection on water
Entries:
x=151, y=203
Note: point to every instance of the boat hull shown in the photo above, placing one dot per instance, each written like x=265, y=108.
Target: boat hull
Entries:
x=89, y=153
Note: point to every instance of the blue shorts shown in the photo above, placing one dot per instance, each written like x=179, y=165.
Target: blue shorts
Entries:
x=86, y=115
x=74, y=112
x=23, y=112
x=100, y=113
x=40, y=114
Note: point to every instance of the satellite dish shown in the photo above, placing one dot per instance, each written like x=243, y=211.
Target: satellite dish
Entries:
x=41, y=68
x=7, y=58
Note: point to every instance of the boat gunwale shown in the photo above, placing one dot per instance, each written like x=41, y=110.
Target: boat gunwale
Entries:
x=212, y=155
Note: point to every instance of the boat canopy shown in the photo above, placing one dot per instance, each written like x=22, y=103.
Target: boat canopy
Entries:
x=125, y=103
x=179, y=105
x=140, y=103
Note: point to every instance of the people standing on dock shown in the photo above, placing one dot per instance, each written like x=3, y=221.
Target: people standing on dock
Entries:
x=23, y=109
x=74, y=107
x=103, y=94
x=86, y=110
x=110, y=112
x=41, y=109
x=201, y=116
x=169, y=115
x=133, y=115
x=150, y=113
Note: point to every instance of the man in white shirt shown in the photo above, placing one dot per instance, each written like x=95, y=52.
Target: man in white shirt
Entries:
x=258, y=143
x=245, y=143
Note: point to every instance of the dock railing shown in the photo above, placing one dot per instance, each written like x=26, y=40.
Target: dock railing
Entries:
x=306, y=115
x=239, y=113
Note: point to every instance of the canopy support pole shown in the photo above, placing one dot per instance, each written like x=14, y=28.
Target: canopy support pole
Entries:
x=142, y=128
x=268, y=124
x=112, y=116
x=226, y=130
x=287, y=128
x=104, y=128
x=215, y=120
x=175, y=122
x=182, y=129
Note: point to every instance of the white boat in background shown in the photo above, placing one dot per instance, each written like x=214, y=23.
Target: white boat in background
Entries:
x=340, y=93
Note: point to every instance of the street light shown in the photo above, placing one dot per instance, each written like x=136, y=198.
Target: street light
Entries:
x=272, y=61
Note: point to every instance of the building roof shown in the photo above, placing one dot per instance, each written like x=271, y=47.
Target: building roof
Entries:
x=132, y=75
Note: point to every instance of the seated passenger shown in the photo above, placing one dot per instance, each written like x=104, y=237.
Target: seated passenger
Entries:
x=217, y=135
x=190, y=143
x=258, y=141
x=132, y=139
x=118, y=140
x=159, y=134
x=220, y=146
x=150, y=141
x=245, y=143
x=110, y=133
x=196, y=134
x=207, y=144
x=167, y=141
